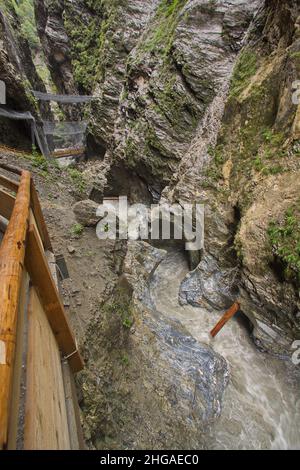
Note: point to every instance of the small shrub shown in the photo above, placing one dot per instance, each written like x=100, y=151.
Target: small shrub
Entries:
x=284, y=238
x=78, y=179
x=77, y=229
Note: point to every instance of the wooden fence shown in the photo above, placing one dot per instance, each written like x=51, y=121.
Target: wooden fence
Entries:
x=38, y=351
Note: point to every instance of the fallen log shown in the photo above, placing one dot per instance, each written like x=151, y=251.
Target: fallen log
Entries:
x=227, y=315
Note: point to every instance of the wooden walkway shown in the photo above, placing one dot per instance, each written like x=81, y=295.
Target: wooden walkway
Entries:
x=35, y=334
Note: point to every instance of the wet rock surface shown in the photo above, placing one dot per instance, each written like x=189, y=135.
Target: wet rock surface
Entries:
x=167, y=389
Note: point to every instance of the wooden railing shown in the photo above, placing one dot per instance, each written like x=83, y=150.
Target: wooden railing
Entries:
x=35, y=334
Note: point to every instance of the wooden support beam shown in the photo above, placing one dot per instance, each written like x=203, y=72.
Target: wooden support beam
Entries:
x=12, y=253
x=7, y=202
x=227, y=315
x=13, y=169
x=39, y=218
x=42, y=279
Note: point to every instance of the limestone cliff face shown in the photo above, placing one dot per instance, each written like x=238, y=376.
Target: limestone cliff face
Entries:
x=252, y=177
x=18, y=72
x=55, y=43
x=154, y=66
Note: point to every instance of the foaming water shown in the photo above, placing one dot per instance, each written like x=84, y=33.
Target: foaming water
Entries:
x=261, y=407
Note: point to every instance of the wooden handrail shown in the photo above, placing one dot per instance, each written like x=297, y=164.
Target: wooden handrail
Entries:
x=34, y=201
x=12, y=254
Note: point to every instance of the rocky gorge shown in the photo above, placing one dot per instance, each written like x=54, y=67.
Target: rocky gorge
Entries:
x=193, y=103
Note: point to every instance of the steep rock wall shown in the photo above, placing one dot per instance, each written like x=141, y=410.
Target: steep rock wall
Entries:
x=252, y=176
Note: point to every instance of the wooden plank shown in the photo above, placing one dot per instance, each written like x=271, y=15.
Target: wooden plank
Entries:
x=12, y=253
x=227, y=315
x=15, y=403
x=46, y=424
x=9, y=184
x=39, y=218
x=13, y=169
x=7, y=202
x=75, y=430
x=41, y=278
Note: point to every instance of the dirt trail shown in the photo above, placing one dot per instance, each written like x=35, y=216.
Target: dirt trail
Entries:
x=89, y=260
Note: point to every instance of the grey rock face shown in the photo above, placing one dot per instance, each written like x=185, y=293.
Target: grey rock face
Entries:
x=85, y=212
x=192, y=362
x=55, y=42
x=156, y=70
x=168, y=87
x=18, y=72
x=270, y=303
x=208, y=286
x=172, y=388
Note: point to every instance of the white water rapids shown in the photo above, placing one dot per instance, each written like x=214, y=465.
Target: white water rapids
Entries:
x=261, y=405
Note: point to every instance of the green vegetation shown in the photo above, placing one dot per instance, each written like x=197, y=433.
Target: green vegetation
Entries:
x=166, y=19
x=295, y=56
x=120, y=305
x=179, y=108
x=245, y=68
x=91, y=40
x=78, y=179
x=284, y=238
x=77, y=229
x=125, y=360
x=24, y=9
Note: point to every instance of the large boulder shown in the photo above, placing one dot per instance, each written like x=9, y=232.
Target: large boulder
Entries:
x=85, y=212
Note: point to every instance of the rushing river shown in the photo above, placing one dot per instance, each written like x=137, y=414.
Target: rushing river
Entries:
x=261, y=407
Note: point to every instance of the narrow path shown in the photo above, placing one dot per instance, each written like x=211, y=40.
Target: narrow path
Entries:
x=261, y=408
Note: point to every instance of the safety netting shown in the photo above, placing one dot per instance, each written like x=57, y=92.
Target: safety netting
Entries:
x=62, y=98
x=37, y=134
x=65, y=138
x=54, y=138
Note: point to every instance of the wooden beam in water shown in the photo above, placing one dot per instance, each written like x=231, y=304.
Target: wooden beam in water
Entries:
x=12, y=254
x=227, y=315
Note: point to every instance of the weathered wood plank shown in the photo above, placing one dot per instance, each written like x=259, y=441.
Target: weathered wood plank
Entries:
x=46, y=424
x=9, y=184
x=7, y=202
x=39, y=218
x=12, y=253
x=15, y=402
x=41, y=278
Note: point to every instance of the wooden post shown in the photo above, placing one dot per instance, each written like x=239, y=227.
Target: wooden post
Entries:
x=227, y=315
x=12, y=253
